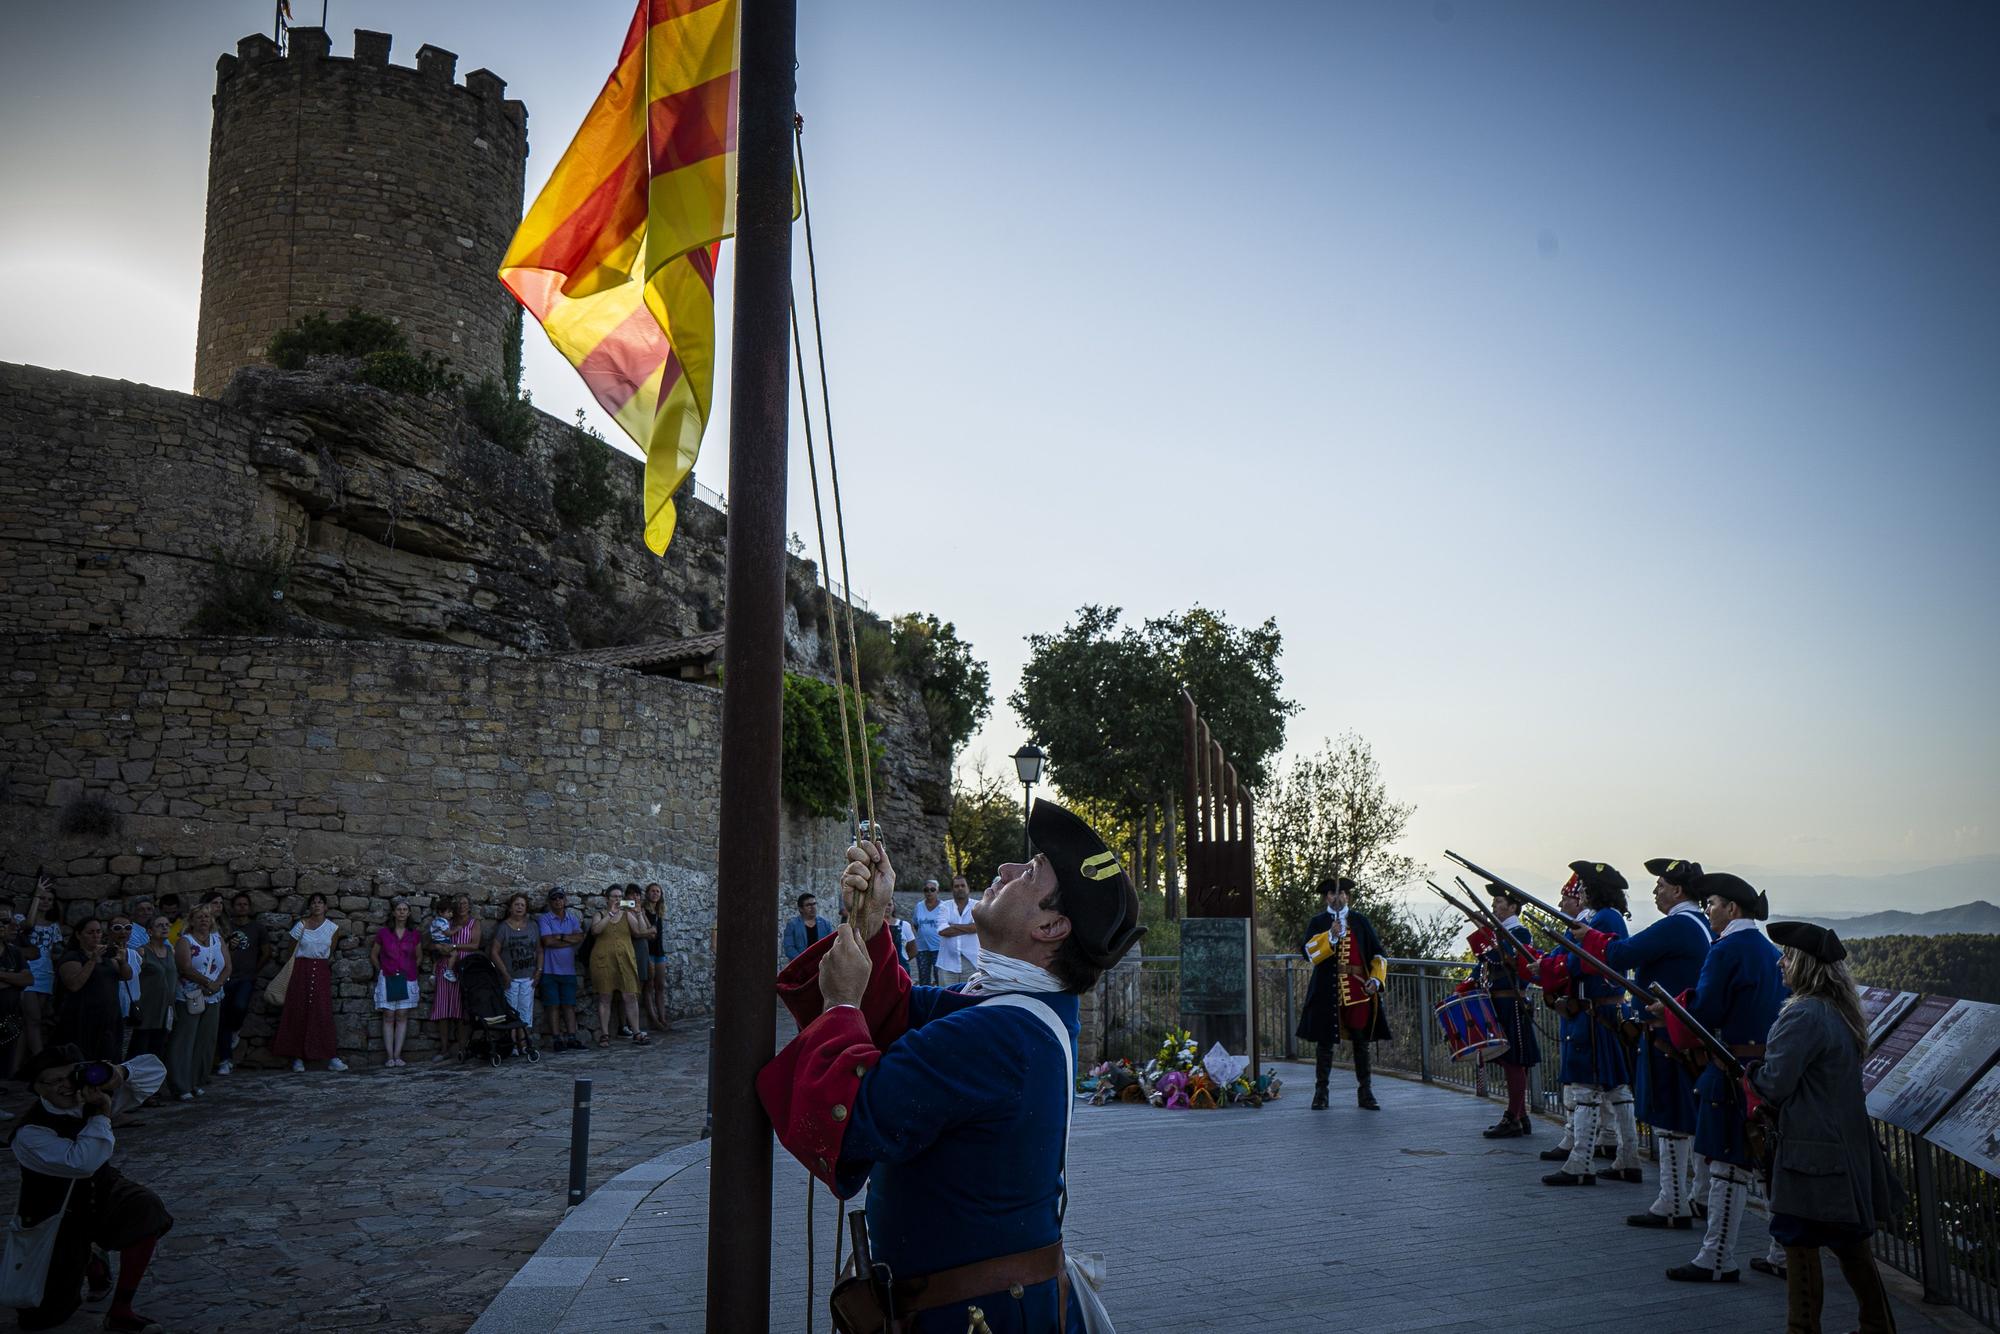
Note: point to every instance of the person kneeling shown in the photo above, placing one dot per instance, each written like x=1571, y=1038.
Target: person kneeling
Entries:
x=64, y=1144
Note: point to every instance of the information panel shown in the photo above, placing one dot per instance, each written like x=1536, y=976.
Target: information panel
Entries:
x=1215, y=965
x=1883, y=1007
x=1971, y=1129
x=1938, y=1067
x=1896, y=1043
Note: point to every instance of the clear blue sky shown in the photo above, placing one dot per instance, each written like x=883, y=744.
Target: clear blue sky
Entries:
x=1604, y=397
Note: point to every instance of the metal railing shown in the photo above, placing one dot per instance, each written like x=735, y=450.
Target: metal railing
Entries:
x=1948, y=1238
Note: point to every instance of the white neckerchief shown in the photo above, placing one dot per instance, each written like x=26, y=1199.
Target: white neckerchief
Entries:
x=1694, y=911
x=1740, y=924
x=1511, y=922
x=999, y=974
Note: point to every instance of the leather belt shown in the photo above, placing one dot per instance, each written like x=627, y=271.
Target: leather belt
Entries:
x=1504, y=995
x=1001, y=1274
x=1746, y=1051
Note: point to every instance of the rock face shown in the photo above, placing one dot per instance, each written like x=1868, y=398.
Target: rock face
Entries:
x=418, y=726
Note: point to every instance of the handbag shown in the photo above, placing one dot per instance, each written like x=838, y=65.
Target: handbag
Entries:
x=395, y=987
x=275, y=992
x=24, y=1263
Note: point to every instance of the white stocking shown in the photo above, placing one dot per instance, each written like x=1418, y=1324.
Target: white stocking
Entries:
x=1625, y=1127
x=1673, y=1200
x=1569, y=1118
x=1728, y=1193
x=1583, y=1132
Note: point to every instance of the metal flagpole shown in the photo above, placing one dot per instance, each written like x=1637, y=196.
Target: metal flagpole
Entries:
x=746, y=909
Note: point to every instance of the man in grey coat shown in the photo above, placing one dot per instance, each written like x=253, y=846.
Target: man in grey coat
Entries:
x=1830, y=1180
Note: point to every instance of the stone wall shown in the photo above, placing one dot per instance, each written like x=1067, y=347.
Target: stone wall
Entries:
x=367, y=770
x=337, y=183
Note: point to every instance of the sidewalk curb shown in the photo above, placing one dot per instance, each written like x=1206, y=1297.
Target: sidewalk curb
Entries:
x=542, y=1290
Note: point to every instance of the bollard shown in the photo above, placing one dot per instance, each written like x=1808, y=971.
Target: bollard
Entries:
x=708, y=1114
x=579, y=1142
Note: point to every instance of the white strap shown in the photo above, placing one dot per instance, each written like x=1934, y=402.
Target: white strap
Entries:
x=1041, y=1010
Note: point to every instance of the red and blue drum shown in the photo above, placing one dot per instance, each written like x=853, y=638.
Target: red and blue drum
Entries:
x=1471, y=1028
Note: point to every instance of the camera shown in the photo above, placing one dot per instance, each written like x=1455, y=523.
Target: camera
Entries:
x=91, y=1075
x=627, y=903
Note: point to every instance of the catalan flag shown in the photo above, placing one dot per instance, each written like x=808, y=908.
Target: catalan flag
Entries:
x=617, y=257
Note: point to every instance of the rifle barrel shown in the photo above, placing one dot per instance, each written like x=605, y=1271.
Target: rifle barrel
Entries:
x=1521, y=894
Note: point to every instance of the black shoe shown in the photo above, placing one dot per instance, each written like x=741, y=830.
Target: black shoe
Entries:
x=1763, y=1266
x=1631, y=1174
x=1681, y=1221
x=1554, y=1155
x=1565, y=1179
x=1365, y=1100
x=1527, y=1127
x=1505, y=1128
x=1319, y=1100
x=1702, y=1274
x=1606, y=1151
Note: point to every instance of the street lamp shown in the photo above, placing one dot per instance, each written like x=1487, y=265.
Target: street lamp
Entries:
x=1028, y=762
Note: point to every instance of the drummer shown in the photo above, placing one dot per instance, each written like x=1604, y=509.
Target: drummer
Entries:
x=1669, y=952
x=1500, y=972
x=1594, y=1061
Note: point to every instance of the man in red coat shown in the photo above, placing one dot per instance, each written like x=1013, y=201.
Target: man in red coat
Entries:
x=953, y=1103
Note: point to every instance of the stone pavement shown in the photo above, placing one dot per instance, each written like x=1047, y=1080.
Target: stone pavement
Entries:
x=1279, y=1219
x=386, y=1199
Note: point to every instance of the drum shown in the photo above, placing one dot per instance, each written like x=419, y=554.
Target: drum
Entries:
x=1471, y=1027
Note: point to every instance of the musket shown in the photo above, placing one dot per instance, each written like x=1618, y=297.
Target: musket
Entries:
x=1718, y=1050
x=1522, y=895
x=1503, y=941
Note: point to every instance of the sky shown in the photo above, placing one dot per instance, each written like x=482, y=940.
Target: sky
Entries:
x=1603, y=397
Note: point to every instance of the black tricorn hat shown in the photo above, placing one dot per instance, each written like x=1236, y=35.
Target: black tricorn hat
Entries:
x=1511, y=895
x=1722, y=885
x=1675, y=870
x=1336, y=884
x=1807, y=938
x=1597, y=875
x=1097, y=896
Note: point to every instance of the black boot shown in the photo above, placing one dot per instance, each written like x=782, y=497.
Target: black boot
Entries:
x=1364, y=1086
x=1555, y=1155
x=1565, y=1179
x=1322, y=1068
x=1320, y=1103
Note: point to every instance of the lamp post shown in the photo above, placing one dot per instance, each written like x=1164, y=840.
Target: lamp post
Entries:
x=1028, y=762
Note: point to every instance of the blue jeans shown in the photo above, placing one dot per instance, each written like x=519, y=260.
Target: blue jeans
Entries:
x=927, y=968
x=237, y=994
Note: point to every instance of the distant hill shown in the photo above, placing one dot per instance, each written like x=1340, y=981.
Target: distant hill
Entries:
x=1967, y=967
x=1967, y=919
x=1932, y=887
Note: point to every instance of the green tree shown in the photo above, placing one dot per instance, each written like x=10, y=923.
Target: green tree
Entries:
x=1327, y=814
x=984, y=827
x=956, y=688
x=814, y=764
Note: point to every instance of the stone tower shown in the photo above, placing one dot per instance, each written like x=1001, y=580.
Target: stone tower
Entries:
x=356, y=183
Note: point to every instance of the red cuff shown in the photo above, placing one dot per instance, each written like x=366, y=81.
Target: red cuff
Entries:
x=886, y=1003
x=1678, y=1032
x=1482, y=941
x=808, y=1090
x=1553, y=972
x=1597, y=942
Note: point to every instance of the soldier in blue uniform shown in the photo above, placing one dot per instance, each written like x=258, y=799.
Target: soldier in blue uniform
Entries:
x=1669, y=952
x=1595, y=1062
x=1511, y=1006
x=953, y=1105
x=1737, y=999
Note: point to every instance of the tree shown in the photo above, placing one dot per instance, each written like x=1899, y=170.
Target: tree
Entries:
x=984, y=827
x=1329, y=814
x=956, y=688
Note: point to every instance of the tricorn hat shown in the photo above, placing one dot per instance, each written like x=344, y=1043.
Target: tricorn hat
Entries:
x=1807, y=938
x=1675, y=870
x=1097, y=896
x=1505, y=892
x=1336, y=884
x=1597, y=875
x=1722, y=885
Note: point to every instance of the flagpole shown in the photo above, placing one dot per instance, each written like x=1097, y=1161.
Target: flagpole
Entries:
x=746, y=910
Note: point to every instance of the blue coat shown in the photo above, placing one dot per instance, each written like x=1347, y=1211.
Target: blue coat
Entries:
x=1593, y=1052
x=1737, y=999
x=1516, y=1012
x=1670, y=952
x=958, y=1131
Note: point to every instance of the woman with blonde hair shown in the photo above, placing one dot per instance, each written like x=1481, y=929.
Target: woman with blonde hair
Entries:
x=1830, y=1181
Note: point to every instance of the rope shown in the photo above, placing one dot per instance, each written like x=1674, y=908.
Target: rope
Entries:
x=833, y=464
x=810, y=1192
x=832, y=607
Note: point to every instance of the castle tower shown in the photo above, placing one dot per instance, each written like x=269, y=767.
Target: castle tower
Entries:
x=336, y=183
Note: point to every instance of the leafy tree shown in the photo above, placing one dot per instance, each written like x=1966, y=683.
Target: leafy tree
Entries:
x=1328, y=814
x=1963, y=966
x=814, y=765
x=1232, y=673
x=582, y=487
x=984, y=827
x=957, y=690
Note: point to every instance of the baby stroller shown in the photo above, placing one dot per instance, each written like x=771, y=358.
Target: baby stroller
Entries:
x=489, y=1019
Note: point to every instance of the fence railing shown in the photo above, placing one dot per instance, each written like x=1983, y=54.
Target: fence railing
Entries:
x=1948, y=1239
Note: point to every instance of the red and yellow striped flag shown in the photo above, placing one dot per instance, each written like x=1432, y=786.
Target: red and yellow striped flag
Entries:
x=617, y=257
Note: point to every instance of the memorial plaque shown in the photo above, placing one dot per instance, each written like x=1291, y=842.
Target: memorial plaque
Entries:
x=1215, y=966
x=1938, y=1067
x=1896, y=1043
x=1971, y=1128
x=1883, y=1008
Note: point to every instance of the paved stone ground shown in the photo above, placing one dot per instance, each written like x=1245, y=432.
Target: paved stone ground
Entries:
x=1279, y=1219
x=387, y=1199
